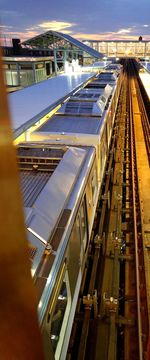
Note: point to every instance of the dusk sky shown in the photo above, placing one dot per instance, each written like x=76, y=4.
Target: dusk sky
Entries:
x=83, y=19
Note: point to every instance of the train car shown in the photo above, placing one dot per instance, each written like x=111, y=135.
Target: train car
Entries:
x=114, y=67
x=61, y=170
x=59, y=187
x=86, y=118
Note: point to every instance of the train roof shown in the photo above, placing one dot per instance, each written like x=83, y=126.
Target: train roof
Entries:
x=114, y=66
x=30, y=104
x=72, y=124
x=83, y=112
x=43, y=169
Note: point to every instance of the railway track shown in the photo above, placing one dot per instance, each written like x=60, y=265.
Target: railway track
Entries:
x=112, y=307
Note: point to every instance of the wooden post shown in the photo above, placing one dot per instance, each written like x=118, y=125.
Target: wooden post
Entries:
x=20, y=336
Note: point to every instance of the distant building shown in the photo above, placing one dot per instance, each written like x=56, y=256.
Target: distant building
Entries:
x=65, y=48
x=24, y=66
x=121, y=48
x=40, y=57
x=24, y=71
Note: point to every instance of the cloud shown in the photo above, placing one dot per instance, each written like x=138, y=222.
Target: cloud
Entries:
x=124, y=31
x=10, y=13
x=109, y=36
x=37, y=29
x=55, y=25
x=6, y=36
x=5, y=27
x=69, y=32
x=129, y=33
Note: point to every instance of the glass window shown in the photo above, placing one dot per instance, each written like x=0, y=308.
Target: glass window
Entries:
x=26, y=66
x=95, y=46
x=13, y=66
x=39, y=66
x=121, y=48
x=112, y=49
x=103, y=48
x=148, y=49
x=103, y=98
x=60, y=317
x=83, y=225
x=140, y=49
x=94, y=186
x=103, y=150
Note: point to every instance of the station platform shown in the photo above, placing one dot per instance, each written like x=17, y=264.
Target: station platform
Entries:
x=143, y=173
x=145, y=78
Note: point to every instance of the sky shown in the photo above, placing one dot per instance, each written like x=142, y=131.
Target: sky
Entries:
x=82, y=19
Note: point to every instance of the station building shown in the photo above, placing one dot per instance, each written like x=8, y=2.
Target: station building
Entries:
x=24, y=71
x=43, y=56
x=65, y=49
x=121, y=48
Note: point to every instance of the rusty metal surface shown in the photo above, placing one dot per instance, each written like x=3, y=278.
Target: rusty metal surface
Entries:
x=19, y=333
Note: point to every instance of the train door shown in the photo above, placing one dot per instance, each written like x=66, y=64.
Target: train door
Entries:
x=57, y=319
x=60, y=317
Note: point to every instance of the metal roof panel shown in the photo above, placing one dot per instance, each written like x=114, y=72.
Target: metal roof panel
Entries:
x=72, y=124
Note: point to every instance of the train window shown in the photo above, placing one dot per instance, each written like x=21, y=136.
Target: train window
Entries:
x=40, y=66
x=103, y=98
x=83, y=224
x=94, y=186
x=12, y=66
x=103, y=150
x=78, y=227
x=60, y=317
x=26, y=66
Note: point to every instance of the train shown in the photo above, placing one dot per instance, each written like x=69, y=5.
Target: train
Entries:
x=61, y=171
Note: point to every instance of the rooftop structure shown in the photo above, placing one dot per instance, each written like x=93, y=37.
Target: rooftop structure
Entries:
x=64, y=47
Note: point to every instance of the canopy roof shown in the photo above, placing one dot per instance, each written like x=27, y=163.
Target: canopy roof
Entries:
x=54, y=40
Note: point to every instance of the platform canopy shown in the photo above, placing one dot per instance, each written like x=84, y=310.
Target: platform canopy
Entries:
x=56, y=40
